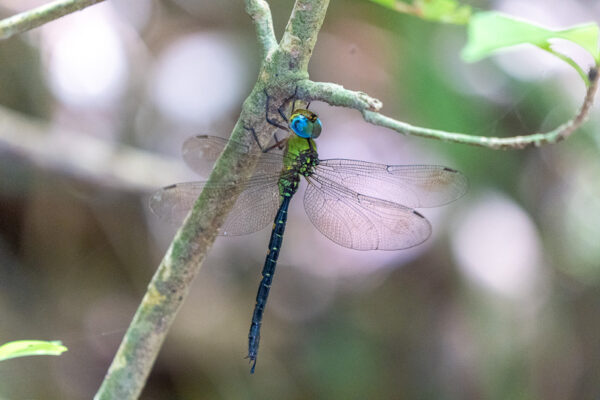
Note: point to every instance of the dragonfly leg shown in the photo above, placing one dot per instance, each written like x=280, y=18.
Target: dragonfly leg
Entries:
x=286, y=102
x=256, y=138
x=278, y=143
x=271, y=121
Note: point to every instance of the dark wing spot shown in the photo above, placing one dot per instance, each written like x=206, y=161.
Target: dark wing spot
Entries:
x=170, y=186
x=449, y=169
x=418, y=214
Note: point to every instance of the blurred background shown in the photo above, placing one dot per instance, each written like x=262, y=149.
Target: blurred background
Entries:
x=502, y=302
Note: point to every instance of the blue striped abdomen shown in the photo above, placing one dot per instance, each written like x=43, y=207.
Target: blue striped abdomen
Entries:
x=267, y=275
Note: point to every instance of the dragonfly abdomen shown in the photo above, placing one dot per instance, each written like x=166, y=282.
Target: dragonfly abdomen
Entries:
x=267, y=274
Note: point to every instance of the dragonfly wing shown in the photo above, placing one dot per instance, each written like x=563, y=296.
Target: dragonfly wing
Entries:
x=254, y=209
x=414, y=186
x=201, y=152
x=362, y=222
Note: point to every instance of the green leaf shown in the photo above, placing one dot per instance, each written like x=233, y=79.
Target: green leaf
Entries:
x=22, y=348
x=492, y=31
x=586, y=36
x=448, y=11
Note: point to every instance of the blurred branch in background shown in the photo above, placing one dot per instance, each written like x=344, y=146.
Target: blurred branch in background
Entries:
x=84, y=156
x=39, y=16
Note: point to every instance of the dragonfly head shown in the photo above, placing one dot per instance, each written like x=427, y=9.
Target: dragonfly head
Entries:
x=305, y=124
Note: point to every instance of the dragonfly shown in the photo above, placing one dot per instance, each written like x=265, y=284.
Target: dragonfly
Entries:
x=357, y=204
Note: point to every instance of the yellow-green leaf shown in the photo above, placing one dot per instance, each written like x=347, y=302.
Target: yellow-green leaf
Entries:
x=23, y=348
x=586, y=36
x=492, y=31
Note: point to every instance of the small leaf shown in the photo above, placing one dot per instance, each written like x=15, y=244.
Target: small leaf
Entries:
x=491, y=31
x=22, y=348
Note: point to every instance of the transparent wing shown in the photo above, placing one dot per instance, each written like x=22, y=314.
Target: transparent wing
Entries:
x=254, y=209
x=201, y=152
x=362, y=222
x=414, y=186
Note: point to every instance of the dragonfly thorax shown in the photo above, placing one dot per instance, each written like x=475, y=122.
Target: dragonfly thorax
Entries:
x=301, y=156
x=306, y=161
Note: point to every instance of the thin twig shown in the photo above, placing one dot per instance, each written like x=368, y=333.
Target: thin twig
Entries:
x=338, y=96
x=39, y=16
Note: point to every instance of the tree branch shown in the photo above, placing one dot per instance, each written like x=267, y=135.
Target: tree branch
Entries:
x=39, y=16
x=171, y=282
x=301, y=31
x=260, y=13
x=336, y=95
x=84, y=157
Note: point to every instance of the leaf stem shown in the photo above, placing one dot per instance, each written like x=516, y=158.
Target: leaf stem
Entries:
x=570, y=61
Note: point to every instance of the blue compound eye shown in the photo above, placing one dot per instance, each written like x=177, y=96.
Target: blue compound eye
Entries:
x=316, y=130
x=299, y=124
x=305, y=124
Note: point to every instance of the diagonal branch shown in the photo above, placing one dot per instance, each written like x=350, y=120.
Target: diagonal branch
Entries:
x=171, y=282
x=336, y=95
x=260, y=13
x=39, y=16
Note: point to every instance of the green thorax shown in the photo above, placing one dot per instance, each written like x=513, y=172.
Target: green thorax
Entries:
x=300, y=158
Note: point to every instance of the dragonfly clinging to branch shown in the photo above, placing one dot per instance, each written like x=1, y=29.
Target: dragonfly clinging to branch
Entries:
x=357, y=204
